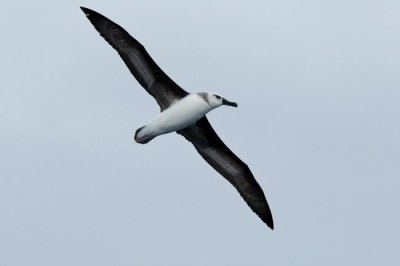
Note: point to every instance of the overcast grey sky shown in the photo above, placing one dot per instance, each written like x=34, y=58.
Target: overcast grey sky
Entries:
x=318, y=122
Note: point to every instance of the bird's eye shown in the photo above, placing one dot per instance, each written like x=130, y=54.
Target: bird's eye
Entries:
x=218, y=97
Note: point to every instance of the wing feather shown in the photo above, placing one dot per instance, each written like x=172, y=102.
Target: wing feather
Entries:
x=139, y=62
x=221, y=158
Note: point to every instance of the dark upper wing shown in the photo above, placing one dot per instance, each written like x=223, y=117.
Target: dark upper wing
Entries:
x=139, y=62
x=218, y=155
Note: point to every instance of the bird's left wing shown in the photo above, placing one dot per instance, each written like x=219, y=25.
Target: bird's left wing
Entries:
x=139, y=62
x=222, y=159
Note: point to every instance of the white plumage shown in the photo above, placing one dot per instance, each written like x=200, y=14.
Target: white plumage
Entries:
x=181, y=114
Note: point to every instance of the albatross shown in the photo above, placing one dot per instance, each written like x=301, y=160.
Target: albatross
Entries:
x=182, y=112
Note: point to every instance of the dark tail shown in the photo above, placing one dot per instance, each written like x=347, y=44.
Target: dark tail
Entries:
x=142, y=139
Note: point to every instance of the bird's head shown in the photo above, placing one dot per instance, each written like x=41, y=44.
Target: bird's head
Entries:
x=216, y=100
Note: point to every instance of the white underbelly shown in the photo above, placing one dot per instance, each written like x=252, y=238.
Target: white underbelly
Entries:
x=180, y=115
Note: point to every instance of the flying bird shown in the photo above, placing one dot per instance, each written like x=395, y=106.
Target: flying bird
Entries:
x=182, y=112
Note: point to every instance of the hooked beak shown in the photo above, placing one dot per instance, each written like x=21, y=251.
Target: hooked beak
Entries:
x=226, y=102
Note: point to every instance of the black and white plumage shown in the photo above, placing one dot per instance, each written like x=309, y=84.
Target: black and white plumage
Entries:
x=184, y=113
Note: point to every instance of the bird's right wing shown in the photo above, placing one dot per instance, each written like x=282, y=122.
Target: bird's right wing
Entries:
x=222, y=159
x=139, y=62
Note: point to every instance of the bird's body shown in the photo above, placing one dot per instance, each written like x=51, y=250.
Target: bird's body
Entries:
x=179, y=115
x=184, y=113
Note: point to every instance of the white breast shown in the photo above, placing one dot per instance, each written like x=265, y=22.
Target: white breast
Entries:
x=179, y=115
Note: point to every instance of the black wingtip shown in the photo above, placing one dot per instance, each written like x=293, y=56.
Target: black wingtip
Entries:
x=85, y=10
x=88, y=12
x=271, y=224
x=267, y=219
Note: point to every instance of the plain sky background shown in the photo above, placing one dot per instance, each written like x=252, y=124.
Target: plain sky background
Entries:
x=318, y=122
